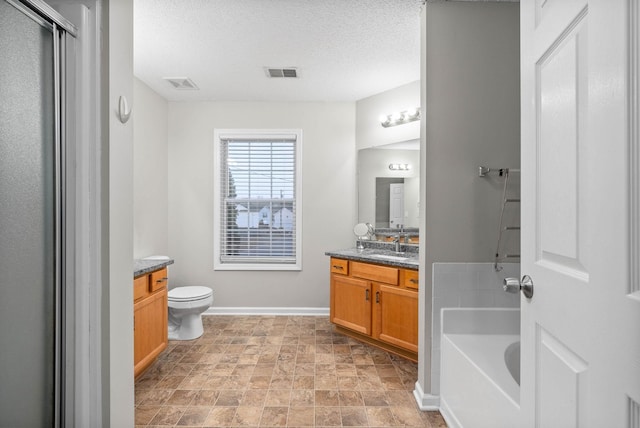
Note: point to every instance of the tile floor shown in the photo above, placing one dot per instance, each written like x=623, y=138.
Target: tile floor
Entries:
x=277, y=371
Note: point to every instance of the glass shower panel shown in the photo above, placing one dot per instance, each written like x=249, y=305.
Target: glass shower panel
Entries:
x=27, y=222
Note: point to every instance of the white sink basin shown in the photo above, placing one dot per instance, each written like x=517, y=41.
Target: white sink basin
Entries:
x=386, y=257
x=162, y=258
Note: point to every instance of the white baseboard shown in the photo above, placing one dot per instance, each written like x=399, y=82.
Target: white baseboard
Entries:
x=448, y=416
x=314, y=312
x=426, y=402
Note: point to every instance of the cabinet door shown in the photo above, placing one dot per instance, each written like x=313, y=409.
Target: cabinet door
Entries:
x=395, y=318
x=351, y=303
x=149, y=329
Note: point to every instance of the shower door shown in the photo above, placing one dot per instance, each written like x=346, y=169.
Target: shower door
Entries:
x=31, y=218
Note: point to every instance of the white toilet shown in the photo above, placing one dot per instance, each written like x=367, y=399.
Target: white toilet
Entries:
x=186, y=305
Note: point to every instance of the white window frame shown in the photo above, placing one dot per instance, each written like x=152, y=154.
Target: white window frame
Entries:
x=224, y=134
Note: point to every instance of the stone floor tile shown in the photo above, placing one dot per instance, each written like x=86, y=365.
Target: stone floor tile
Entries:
x=167, y=415
x=328, y=416
x=247, y=416
x=144, y=414
x=274, y=417
x=194, y=416
x=295, y=371
x=353, y=417
x=220, y=417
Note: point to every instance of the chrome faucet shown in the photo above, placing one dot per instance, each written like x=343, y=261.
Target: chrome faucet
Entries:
x=396, y=241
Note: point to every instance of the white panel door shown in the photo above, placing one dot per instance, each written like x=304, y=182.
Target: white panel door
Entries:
x=581, y=329
x=396, y=204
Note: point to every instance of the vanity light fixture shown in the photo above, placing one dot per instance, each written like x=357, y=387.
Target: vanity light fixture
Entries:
x=400, y=166
x=400, y=118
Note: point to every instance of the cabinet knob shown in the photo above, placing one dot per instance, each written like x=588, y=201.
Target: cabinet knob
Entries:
x=366, y=294
x=377, y=297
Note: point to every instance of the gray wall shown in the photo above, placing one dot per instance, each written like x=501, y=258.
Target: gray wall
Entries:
x=472, y=87
x=328, y=194
x=150, y=173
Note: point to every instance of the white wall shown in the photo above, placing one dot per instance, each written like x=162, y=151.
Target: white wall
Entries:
x=150, y=172
x=472, y=118
x=424, y=293
x=328, y=192
x=369, y=132
x=117, y=203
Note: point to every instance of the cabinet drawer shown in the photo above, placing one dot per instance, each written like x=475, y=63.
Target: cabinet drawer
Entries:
x=409, y=278
x=340, y=266
x=159, y=279
x=388, y=275
x=140, y=287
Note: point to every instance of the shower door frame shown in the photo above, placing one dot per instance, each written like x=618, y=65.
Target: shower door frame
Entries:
x=64, y=34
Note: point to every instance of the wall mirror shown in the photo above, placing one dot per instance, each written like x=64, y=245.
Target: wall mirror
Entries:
x=388, y=198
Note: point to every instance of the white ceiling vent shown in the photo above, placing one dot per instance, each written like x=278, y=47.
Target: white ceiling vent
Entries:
x=281, y=72
x=181, y=83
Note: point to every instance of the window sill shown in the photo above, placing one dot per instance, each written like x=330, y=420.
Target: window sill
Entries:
x=256, y=267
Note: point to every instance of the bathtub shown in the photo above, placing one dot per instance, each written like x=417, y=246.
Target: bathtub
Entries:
x=480, y=366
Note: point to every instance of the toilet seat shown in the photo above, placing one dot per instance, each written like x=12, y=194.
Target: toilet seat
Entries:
x=190, y=293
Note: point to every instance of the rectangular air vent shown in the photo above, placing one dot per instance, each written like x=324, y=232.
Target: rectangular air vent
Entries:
x=281, y=72
x=181, y=83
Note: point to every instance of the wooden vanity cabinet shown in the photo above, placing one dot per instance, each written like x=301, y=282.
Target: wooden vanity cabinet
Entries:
x=377, y=304
x=149, y=318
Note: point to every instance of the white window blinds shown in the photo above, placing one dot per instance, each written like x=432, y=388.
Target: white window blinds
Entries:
x=258, y=199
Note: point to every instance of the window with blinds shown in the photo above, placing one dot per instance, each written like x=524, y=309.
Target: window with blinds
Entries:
x=258, y=204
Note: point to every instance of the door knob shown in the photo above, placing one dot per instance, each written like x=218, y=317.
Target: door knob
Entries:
x=513, y=285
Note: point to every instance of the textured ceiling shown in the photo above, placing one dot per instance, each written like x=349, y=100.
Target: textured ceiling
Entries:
x=345, y=50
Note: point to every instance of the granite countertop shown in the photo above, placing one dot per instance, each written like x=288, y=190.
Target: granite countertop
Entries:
x=407, y=260
x=143, y=266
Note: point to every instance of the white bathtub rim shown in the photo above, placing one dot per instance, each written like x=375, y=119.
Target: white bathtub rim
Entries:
x=503, y=368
